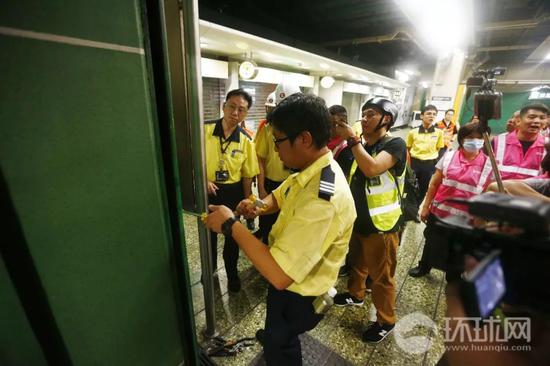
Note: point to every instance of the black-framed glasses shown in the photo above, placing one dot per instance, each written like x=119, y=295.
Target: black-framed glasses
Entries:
x=278, y=141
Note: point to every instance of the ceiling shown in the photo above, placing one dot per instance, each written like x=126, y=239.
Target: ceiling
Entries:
x=376, y=35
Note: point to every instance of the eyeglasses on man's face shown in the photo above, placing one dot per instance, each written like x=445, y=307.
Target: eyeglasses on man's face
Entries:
x=233, y=107
x=277, y=142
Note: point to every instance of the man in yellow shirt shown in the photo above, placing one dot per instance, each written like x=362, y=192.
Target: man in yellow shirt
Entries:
x=231, y=164
x=423, y=144
x=272, y=170
x=309, y=241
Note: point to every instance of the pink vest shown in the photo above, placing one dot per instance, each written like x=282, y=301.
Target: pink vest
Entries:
x=512, y=164
x=461, y=179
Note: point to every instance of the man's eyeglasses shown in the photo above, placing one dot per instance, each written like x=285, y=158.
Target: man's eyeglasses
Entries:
x=369, y=113
x=278, y=141
x=233, y=107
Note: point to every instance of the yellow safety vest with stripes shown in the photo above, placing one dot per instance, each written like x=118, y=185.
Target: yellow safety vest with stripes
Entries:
x=383, y=198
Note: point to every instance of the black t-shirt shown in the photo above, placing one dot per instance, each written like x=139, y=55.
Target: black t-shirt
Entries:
x=345, y=159
x=395, y=147
x=525, y=145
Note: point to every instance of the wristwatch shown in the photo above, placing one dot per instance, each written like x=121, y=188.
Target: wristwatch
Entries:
x=228, y=225
x=353, y=140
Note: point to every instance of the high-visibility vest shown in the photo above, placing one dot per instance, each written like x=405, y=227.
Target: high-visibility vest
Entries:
x=512, y=163
x=382, y=198
x=460, y=182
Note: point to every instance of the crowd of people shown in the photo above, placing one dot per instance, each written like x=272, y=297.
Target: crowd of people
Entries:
x=328, y=189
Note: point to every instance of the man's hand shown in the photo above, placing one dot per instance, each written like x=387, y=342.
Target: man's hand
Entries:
x=344, y=130
x=217, y=216
x=248, y=209
x=212, y=188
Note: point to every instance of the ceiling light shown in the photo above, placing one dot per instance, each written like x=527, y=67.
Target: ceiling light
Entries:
x=327, y=82
x=204, y=44
x=338, y=75
x=324, y=66
x=424, y=84
x=445, y=39
x=547, y=56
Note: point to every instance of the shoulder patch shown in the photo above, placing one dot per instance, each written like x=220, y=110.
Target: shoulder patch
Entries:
x=326, y=184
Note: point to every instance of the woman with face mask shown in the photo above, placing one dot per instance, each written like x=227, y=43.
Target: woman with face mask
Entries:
x=461, y=173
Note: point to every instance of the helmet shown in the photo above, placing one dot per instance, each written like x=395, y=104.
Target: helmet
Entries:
x=387, y=107
x=270, y=101
x=283, y=90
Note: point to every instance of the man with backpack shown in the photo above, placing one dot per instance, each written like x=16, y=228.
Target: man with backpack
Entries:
x=376, y=184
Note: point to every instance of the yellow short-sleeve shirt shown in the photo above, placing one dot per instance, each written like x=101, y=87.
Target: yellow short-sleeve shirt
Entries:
x=265, y=148
x=311, y=236
x=424, y=144
x=236, y=154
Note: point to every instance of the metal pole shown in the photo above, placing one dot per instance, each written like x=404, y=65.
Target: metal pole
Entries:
x=190, y=37
x=494, y=164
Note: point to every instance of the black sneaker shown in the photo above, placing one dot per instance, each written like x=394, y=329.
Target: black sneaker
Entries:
x=344, y=271
x=419, y=271
x=376, y=332
x=260, y=336
x=234, y=284
x=345, y=299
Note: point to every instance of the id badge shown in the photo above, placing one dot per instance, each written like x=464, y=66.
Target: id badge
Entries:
x=374, y=181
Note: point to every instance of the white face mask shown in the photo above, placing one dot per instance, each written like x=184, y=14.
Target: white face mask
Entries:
x=472, y=145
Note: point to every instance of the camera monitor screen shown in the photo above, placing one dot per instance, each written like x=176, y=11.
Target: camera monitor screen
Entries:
x=490, y=287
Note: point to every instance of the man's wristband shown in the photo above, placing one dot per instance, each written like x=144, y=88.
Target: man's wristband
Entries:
x=228, y=225
x=353, y=140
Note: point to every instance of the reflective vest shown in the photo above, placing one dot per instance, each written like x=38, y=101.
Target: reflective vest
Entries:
x=382, y=197
x=512, y=164
x=460, y=181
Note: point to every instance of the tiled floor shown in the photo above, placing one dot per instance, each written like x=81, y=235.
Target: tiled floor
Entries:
x=240, y=315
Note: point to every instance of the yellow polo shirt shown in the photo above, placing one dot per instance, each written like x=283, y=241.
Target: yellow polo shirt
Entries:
x=265, y=148
x=238, y=155
x=311, y=236
x=425, y=144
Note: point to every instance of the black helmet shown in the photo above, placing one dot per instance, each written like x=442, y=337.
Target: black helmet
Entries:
x=386, y=105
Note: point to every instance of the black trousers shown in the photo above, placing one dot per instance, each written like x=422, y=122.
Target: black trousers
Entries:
x=267, y=221
x=436, y=250
x=229, y=195
x=288, y=315
x=424, y=169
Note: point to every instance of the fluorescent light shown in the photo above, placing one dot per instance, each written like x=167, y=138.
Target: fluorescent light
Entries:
x=424, y=84
x=547, y=57
x=204, y=44
x=424, y=15
x=324, y=66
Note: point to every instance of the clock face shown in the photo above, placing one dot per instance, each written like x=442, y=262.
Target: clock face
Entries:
x=247, y=70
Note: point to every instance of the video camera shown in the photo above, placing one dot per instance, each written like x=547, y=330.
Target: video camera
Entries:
x=512, y=259
x=487, y=101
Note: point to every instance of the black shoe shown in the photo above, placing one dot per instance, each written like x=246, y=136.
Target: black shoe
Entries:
x=234, y=284
x=419, y=271
x=260, y=336
x=376, y=332
x=344, y=271
x=345, y=299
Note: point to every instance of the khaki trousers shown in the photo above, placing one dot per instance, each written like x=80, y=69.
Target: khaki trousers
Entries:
x=375, y=256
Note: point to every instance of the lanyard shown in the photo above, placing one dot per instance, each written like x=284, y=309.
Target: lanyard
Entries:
x=222, y=148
